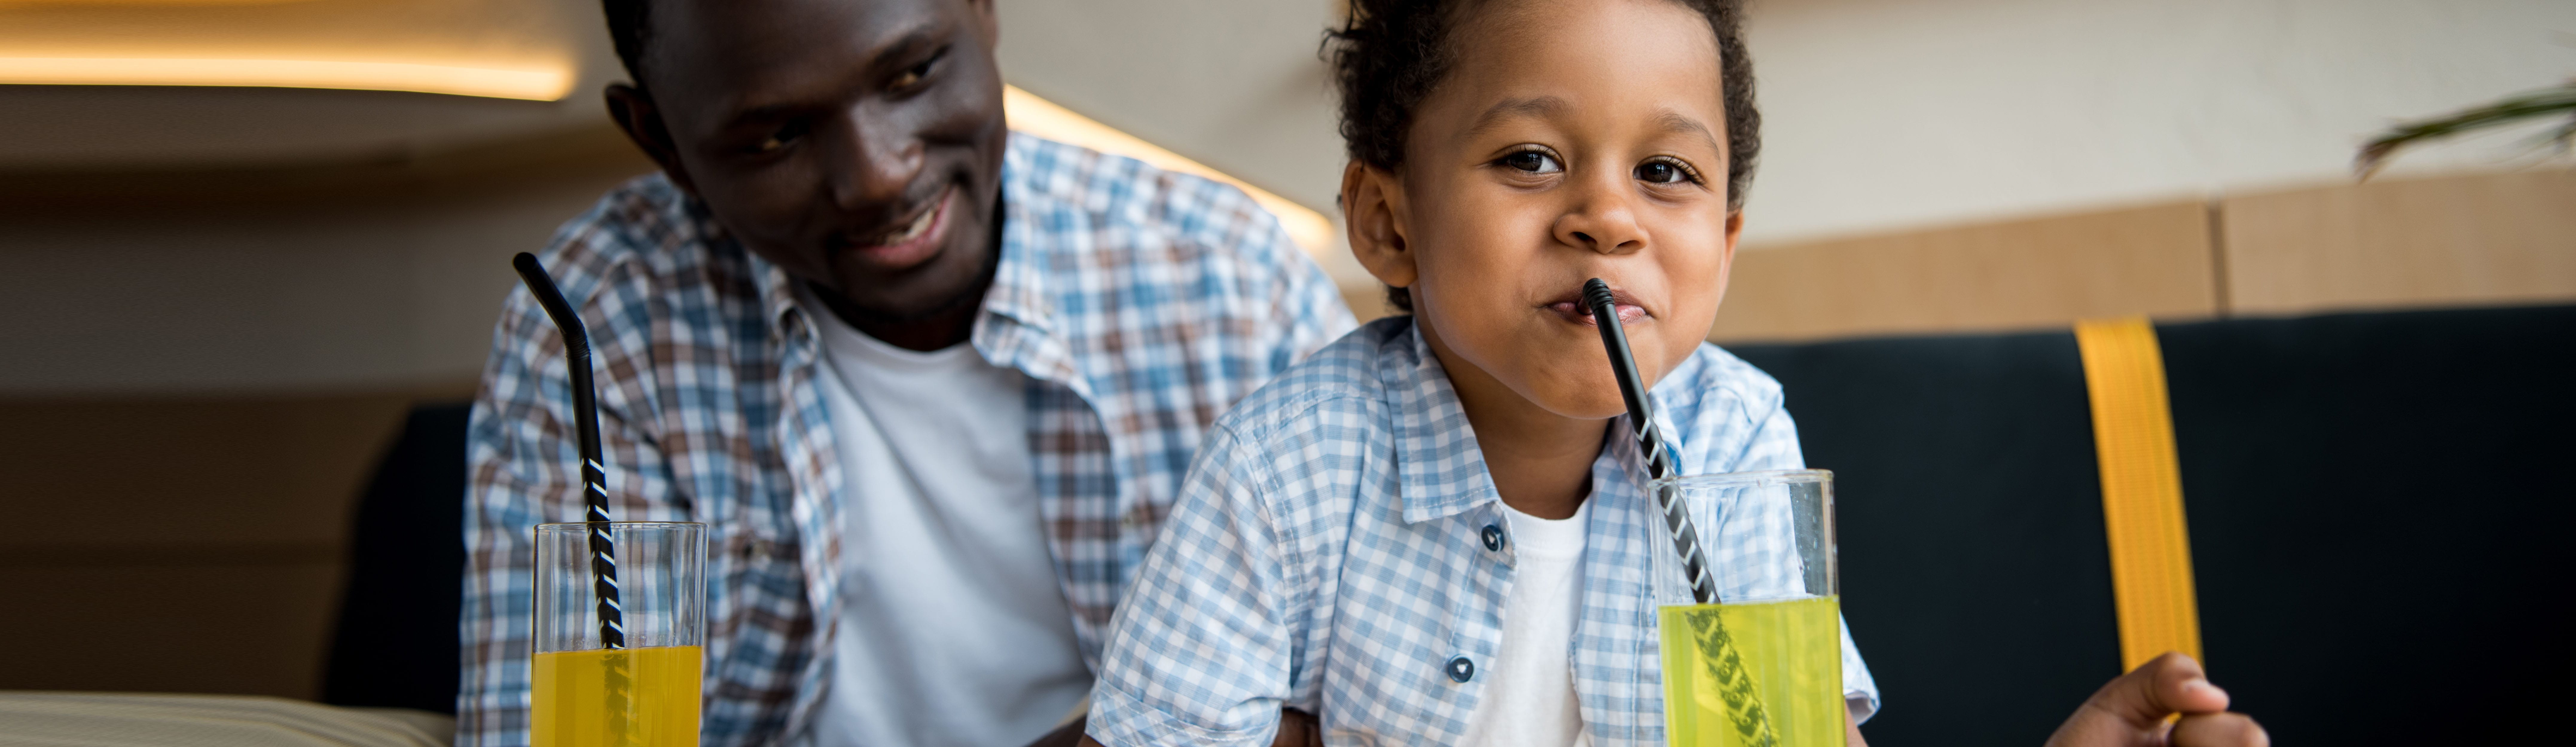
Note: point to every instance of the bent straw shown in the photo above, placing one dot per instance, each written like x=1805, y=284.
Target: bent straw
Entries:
x=1650, y=440
x=594, y=476
x=1717, y=646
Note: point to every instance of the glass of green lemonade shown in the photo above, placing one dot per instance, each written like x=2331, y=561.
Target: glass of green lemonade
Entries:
x=585, y=692
x=1763, y=666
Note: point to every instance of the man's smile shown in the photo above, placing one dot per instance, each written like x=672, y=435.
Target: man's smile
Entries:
x=907, y=244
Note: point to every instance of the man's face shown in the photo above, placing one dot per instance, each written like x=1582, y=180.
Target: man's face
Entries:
x=855, y=143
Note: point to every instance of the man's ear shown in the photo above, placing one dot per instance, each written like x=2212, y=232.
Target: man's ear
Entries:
x=635, y=113
x=1373, y=212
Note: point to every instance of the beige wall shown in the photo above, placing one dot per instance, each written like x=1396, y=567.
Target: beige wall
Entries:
x=205, y=367
x=330, y=277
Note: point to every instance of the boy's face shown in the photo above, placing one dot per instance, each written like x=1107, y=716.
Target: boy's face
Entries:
x=1572, y=139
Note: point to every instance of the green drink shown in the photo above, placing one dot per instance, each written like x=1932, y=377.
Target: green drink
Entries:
x=1752, y=652
x=1759, y=674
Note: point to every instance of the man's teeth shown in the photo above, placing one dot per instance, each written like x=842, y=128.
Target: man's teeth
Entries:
x=919, y=226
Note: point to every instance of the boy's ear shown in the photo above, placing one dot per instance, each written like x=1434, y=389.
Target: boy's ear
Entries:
x=1734, y=230
x=1372, y=212
x=1726, y=260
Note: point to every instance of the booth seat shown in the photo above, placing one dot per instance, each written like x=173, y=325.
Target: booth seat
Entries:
x=2378, y=507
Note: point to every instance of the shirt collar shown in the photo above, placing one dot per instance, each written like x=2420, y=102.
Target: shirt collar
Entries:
x=1440, y=469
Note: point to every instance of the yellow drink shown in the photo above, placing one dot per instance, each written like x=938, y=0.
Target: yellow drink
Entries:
x=636, y=697
x=1763, y=674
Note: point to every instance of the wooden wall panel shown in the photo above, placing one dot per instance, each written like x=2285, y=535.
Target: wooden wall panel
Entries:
x=181, y=544
x=2043, y=272
x=2444, y=242
x=249, y=628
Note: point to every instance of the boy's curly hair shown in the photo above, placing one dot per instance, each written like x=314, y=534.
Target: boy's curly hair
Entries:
x=1388, y=54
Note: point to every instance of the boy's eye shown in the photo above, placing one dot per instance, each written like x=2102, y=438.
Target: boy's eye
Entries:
x=1662, y=172
x=1534, y=162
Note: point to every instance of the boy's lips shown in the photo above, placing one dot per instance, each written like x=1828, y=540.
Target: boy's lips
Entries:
x=1571, y=307
x=909, y=243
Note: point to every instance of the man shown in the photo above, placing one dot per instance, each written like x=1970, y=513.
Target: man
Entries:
x=931, y=384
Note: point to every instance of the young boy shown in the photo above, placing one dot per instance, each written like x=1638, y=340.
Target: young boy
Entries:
x=1429, y=532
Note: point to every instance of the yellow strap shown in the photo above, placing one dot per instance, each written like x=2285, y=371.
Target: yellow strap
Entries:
x=2141, y=490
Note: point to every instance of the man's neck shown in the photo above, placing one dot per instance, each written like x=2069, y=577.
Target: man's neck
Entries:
x=939, y=329
x=1540, y=461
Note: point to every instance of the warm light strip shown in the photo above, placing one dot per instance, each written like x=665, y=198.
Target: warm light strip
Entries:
x=1036, y=116
x=535, y=84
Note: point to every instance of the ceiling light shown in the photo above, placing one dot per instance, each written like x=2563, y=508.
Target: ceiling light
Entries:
x=544, y=83
x=1036, y=116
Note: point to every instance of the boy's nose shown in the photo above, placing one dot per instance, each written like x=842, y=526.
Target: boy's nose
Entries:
x=1602, y=223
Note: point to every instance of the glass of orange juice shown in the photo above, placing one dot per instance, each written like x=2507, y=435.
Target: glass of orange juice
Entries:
x=590, y=690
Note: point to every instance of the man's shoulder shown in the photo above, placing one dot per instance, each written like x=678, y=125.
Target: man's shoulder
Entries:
x=1127, y=204
x=641, y=256
x=644, y=220
x=1339, y=381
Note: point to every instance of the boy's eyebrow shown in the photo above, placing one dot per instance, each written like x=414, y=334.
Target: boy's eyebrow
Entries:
x=1539, y=106
x=1682, y=124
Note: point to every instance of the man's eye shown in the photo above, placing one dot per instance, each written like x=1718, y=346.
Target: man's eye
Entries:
x=1533, y=162
x=912, y=76
x=1661, y=172
x=777, y=141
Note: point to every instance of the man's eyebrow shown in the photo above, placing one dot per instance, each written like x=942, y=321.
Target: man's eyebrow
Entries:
x=912, y=43
x=1682, y=124
x=908, y=45
x=1539, y=106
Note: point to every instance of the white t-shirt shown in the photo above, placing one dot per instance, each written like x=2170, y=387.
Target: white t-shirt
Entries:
x=954, y=630
x=1529, y=702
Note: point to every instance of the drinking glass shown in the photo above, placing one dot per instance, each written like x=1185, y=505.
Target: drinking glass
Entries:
x=1762, y=667
x=645, y=693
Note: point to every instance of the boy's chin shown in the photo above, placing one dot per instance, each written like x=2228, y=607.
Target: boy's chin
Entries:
x=1583, y=402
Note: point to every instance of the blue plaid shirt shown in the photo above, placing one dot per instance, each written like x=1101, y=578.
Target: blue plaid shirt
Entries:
x=1326, y=554
x=1140, y=303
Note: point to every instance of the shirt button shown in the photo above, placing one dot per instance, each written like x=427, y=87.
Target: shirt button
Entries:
x=1493, y=543
x=1461, y=670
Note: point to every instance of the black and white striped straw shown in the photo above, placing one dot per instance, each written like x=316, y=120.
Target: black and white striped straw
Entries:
x=594, y=475
x=1650, y=442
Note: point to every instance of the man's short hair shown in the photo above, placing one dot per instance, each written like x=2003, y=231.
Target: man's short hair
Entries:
x=628, y=27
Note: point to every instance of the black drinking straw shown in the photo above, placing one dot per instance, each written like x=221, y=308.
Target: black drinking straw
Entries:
x=1735, y=685
x=585, y=410
x=1650, y=440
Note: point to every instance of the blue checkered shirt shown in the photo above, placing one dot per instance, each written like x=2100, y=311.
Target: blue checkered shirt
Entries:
x=1140, y=303
x=1326, y=554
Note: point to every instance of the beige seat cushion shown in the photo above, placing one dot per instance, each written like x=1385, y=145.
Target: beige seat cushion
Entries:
x=57, y=719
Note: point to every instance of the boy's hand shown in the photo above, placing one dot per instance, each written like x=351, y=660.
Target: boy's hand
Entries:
x=2131, y=711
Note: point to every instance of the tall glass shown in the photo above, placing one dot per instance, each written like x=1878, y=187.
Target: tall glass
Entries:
x=1763, y=666
x=645, y=694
